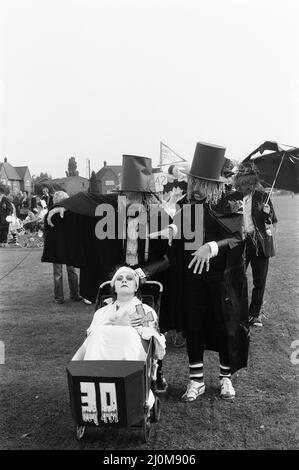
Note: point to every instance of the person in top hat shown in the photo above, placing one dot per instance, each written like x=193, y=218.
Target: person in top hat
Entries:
x=99, y=232
x=213, y=294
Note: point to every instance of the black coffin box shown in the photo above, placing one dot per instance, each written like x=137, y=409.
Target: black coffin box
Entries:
x=107, y=392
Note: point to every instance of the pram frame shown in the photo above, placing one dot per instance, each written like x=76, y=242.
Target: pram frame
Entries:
x=150, y=415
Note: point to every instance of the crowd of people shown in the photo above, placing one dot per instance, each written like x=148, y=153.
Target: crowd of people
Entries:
x=198, y=244
x=21, y=213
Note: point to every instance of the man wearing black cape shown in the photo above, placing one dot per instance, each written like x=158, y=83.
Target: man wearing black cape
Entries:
x=97, y=233
x=207, y=254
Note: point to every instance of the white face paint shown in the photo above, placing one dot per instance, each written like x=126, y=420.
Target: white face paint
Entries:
x=125, y=284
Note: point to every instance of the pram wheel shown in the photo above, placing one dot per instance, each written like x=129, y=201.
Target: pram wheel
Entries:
x=156, y=411
x=80, y=431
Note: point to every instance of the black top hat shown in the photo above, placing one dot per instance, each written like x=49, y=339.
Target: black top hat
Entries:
x=136, y=174
x=208, y=162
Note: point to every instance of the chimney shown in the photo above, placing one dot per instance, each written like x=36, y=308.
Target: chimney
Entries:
x=105, y=163
x=5, y=160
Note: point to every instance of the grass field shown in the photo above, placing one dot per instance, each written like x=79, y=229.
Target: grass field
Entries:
x=40, y=338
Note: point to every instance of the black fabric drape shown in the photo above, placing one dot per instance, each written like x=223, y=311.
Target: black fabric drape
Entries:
x=226, y=276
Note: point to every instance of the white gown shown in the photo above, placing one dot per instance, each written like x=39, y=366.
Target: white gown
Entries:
x=114, y=342
x=120, y=342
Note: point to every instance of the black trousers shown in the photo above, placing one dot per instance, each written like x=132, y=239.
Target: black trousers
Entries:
x=3, y=232
x=203, y=314
x=259, y=266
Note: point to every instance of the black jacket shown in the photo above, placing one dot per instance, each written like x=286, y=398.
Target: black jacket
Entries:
x=6, y=209
x=48, y=200
x=260, y=220
x=226, y=228
x=74, y=241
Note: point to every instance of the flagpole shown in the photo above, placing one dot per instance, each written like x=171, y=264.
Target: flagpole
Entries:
x=269, y=195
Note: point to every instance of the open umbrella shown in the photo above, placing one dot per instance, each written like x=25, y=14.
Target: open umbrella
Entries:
x=278, y=169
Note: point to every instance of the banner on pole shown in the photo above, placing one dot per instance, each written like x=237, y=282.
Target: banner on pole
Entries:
x=168, y=156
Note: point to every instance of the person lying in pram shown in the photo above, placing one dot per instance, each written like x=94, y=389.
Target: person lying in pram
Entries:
x=121, y=330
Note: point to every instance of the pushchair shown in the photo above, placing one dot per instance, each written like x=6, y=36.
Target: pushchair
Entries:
x=115, y=393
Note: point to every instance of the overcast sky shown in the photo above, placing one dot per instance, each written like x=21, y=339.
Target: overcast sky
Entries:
x=101, y=78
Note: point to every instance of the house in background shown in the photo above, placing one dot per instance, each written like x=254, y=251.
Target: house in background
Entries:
x=70, y=184
x=18, y=178
x=108, y=178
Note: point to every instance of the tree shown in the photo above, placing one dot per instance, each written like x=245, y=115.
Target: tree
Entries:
x=72, y=167
x=93, y=185
x=44, y=179
x=42, y=176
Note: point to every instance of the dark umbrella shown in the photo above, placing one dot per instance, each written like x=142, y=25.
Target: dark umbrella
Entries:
x=278, y=169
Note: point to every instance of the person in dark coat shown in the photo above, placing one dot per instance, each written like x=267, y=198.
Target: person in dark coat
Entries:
x=72, y=276
x=6, y=209
x=259, y=216
x=47, y=197
x=24, y=205
x=99, y=232
x=33, y=202
x=207, y=254
x=17, y=202
x=177, y=178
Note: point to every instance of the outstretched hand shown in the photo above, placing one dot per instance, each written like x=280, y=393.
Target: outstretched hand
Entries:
x=55, y=210
x=201, y=257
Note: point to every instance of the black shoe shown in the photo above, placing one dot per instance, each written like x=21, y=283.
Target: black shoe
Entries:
x=77, y=299
x=59, y=301
x=161, y=385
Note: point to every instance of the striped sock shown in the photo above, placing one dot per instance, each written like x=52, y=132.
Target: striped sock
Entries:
x=224, y=371
x=196, y=372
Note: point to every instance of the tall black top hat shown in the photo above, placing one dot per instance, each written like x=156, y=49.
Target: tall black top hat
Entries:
x=208, y=162
x=136, y=174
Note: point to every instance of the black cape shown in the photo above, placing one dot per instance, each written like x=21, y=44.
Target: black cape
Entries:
x=234, y=292
x=73, y=241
